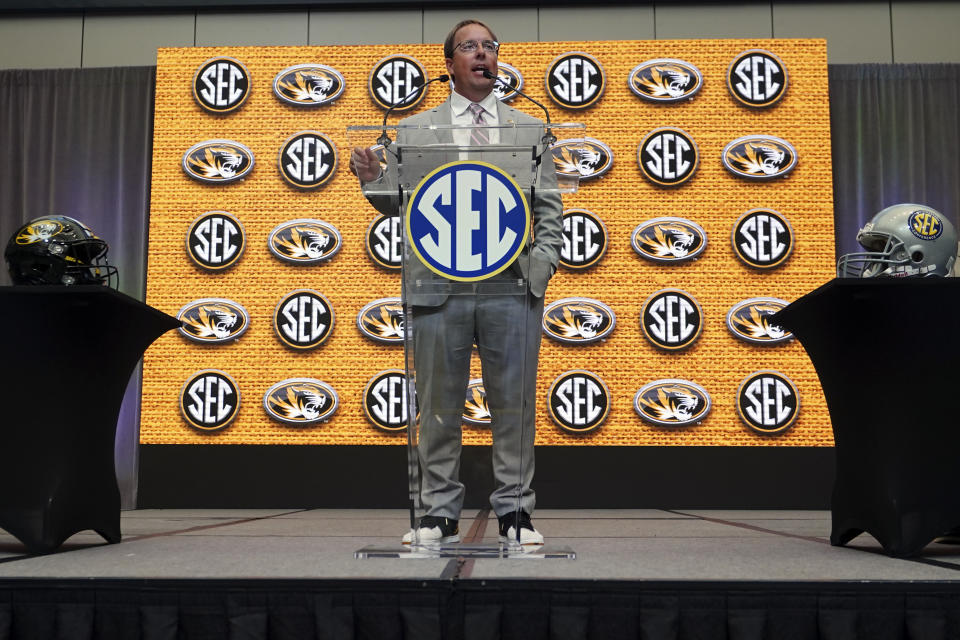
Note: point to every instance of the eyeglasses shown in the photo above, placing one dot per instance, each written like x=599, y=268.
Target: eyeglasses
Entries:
x=469, y=46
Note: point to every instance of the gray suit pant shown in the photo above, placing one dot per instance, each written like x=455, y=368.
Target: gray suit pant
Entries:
x=507, y=330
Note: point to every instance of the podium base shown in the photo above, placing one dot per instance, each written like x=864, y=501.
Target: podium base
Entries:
x=468, y=551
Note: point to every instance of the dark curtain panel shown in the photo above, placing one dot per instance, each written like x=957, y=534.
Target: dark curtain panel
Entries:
x=77, y=142
x=896, y=137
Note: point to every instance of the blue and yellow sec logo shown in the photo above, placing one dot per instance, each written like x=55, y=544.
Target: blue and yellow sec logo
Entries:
x=925, y=225
x=467, y=220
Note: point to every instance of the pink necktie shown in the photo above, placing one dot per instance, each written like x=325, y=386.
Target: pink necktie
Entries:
x=478, y=136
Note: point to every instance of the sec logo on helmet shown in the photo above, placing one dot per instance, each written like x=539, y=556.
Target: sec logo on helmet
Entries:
x=575, y=80
x=768, y=402
x=759, y=157
x=221, y=85
x=668, y=157
x=210, y=400
x=749, y=320
x=308, y=85
x=762, y=238
x=305, y=241
x=665, y=80
x=924, y=224
x=307, y=160
x=672, y=403
x=578, y=321
x=301, y=402
x=385, y=400
x=215, y=241
x=467, y=220
x=584, y=239
x=384, y=242
x=669, y=240
x=394, y=78
x=303, y=319
x=586, y=158
x=213, y=320
x=757, y=78
x=382, y=321
x=579, y=401
x=476, y=412
x=217, y=161
x=671, y=319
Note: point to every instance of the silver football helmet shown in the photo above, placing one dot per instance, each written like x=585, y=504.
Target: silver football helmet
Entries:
x=905, y=240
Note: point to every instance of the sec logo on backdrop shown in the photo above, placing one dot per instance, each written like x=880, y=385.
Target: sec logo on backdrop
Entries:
x=210, y=400
x=394, y=78
x=584, y=239
x=757, y=78
x=307, y=160
x=575, y=80
x=467, y=220
x=385, y=400
x=221, y=85
x=579, y=401
x=768, y=402
x=303, y=319
x=671, y=319
x=216, y=240
x=384, y=242
x=762, y=238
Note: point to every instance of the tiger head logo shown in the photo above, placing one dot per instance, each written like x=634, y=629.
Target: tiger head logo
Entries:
x=216, y=162
x=305, y=242
x=668, y=240
x=308, y=86
x=755, y=322
x=300, y=401
x=588, y=159
x=672, y=403
x=40, y=231
x=475, y=408
x=759, y=157
x=211, y=321
x=664, y=81
x=383, y=322
x=575, y=321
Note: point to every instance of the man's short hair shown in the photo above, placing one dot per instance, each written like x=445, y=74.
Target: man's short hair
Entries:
x=448, y=43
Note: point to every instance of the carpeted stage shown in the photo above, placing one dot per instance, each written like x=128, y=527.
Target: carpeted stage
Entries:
x=639, y=574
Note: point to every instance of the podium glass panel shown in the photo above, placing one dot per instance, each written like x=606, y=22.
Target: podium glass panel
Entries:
x=468, y=214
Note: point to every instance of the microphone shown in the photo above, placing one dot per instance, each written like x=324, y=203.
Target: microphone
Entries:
x=384, y=139
x=548, y=137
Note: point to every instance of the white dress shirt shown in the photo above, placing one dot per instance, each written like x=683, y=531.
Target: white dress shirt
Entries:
x=460, y=115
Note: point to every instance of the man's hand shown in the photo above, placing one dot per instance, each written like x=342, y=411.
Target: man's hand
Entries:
x=364, y=164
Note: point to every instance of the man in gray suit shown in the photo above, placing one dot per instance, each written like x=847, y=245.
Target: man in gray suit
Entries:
x=506, y=327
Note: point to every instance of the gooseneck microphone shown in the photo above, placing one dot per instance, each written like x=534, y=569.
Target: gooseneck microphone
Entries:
x=548, y=137
x=384, y=139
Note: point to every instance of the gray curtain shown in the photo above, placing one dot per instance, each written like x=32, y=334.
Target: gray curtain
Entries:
x=78, y=142
x=896, y=138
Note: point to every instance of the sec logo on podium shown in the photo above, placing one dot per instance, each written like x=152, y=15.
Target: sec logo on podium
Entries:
x=467, y=220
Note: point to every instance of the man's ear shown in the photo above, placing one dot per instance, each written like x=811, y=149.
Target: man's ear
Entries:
x=449, y=64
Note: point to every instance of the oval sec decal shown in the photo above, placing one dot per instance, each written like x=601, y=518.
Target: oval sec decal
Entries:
x=579, y=401
x=749, y=320
x=305, y=241
x=300, y=402
x=575, y=80
x=221, y=85
x=307, y=160
x=394, y=78
x=665, y=80
x=210, y=400
x=578, y=321
x=303, y=319
x=384, y=242
x=762, y=238
x=385, y=400
x=757, y=78
x=768, y=402
x=671, y=319
x=672, y=403
x=217, y=161
x=584, y=239
x=511, y=81
x=213, y=320
x=467, y=220
x=308, y=85
x=668, y=157
x=215, y=240
x=759, y=157
x=669, y=240
x=587, y=158
x=382, y=321
x=475, y=408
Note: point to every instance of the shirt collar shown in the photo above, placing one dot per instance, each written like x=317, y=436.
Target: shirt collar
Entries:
x=459, y=104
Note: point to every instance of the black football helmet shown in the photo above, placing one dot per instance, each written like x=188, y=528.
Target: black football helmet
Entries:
x=58, y=250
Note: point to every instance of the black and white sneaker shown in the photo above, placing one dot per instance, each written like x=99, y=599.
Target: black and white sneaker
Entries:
x=433, y=530
x=508, y=531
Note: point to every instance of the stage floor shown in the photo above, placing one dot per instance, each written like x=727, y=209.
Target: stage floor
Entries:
x=610, y=545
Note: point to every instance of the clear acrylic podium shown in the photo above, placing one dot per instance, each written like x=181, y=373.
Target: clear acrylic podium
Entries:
x=469, y=262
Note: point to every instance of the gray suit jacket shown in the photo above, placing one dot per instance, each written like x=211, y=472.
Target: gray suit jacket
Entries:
x=538, y=260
